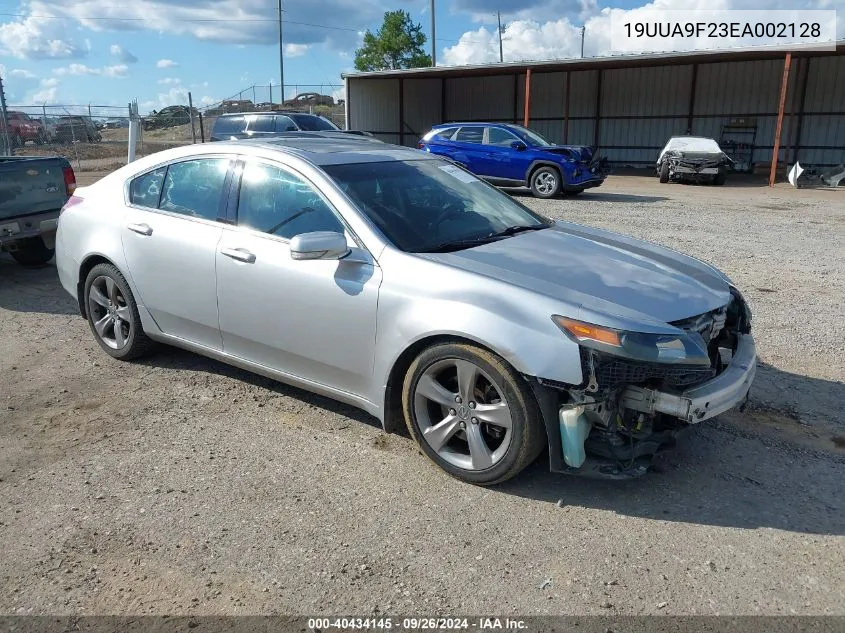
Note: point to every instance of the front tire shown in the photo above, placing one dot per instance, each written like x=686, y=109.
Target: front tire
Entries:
x=32, y=252
x=719, y=179
x=113, y=314
x=545, y=182
x=664, y=173
x=471, y=413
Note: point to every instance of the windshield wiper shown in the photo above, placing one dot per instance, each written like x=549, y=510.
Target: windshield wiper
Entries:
x=513, y=230
x=456, y=245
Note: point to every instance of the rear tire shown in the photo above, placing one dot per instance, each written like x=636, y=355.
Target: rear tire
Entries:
x=545, y=182
x=113, y=314
x=32, y=252
x=664, y=173
x=446, y=387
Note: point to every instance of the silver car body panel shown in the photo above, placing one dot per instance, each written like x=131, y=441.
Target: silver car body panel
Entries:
x=338, y=327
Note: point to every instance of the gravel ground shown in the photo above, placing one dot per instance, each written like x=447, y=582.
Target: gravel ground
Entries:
x=179, y=485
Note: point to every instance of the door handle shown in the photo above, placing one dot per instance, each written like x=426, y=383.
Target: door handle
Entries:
x=241, y=254
x=140, y=229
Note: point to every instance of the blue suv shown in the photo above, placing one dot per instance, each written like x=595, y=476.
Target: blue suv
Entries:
x=513, y=156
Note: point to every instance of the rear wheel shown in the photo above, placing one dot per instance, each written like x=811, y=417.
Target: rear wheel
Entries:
x=545, y=182
x=471, y=413
x=664, y=172
x=113, y=314
x=32, y=252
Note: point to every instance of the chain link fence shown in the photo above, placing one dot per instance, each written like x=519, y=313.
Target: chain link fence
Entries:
x=95, y=137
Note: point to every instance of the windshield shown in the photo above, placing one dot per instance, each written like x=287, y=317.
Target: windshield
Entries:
x=423, y=205
x=312, y=123
x=529, y=136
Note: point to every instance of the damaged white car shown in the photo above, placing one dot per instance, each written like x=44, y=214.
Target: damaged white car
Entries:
x=693, y=159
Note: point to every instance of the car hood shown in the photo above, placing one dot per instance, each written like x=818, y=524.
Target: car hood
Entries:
x=573, y=152
x=599, y=271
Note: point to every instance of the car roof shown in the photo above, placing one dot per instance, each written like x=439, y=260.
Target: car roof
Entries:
x=336, y=151
x=440, y=126
x=265, y=112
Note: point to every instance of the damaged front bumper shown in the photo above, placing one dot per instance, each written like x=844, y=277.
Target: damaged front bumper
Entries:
x=616, y=436
x=715, y=396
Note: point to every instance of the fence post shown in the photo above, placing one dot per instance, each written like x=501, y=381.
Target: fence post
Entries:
x=133, y=132
x=4, y=121
x=271, y=93
x=254, y=100
x=202, y=131
x=191, y=113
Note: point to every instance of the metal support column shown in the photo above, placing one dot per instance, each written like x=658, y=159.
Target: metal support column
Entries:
x=779, y=127
x=527, y=100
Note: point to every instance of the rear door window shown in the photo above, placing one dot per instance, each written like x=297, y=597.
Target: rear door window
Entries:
x=195, y=187
x=312, y=123
x=470, y=135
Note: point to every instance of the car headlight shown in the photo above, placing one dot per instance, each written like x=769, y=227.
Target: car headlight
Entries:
x=682, y=348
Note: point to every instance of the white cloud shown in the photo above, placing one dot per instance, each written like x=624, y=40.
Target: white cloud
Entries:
x=166, y=63
x=206, y=100
x=122, y=54
x=296, y=50
x=48, y=92
x=170, y=81
x=214, y=20
x=31, y=38
x=20, y=73
x=118, y=70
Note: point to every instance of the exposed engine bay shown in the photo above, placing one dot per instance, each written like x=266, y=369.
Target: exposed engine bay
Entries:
x=626, y=410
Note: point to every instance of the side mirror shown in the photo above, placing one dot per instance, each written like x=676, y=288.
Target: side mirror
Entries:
x=519, y=146
x=319, y=245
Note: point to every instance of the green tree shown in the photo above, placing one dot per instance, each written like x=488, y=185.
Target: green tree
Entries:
x=397, y=44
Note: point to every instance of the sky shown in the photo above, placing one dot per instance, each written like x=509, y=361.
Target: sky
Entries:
x=109, y=52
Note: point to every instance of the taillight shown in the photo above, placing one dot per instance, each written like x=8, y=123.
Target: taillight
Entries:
x=73, y=200
x=70, y=180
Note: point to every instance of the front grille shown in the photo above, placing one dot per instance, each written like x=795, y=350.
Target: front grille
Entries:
x=617, y=372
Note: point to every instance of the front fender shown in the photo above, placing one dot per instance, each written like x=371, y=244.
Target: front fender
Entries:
x=429, y=301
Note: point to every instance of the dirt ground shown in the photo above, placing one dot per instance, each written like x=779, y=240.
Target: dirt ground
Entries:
x=179, y=485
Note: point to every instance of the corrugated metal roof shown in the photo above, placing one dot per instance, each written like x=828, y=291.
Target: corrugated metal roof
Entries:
x=613, y=61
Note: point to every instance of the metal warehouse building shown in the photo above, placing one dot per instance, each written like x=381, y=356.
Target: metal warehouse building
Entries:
x=628, y=106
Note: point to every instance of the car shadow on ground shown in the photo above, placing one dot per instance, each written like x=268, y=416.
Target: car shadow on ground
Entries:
x=756, y=469
x=594, y=195
x=33, y=289
x=166, y=357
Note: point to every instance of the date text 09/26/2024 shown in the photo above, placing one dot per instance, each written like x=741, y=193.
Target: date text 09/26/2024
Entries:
x=417, y=624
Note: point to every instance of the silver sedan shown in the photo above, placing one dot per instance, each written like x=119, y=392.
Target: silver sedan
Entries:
x=398, y=282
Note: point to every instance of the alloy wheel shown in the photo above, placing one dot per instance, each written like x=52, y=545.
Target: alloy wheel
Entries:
x=545, y=182
x=462, y=414
x=110, y=313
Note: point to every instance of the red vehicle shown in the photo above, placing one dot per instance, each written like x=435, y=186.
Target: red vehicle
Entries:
x=23, y=128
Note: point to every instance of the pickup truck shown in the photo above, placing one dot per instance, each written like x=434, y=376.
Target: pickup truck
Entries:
x=23, y=128
x=32, y=192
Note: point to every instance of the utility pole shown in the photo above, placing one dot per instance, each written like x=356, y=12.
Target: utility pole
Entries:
x=501, y=51
x=4, y=121
x=433, y=39
x=583, y=30
x=281, y=58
